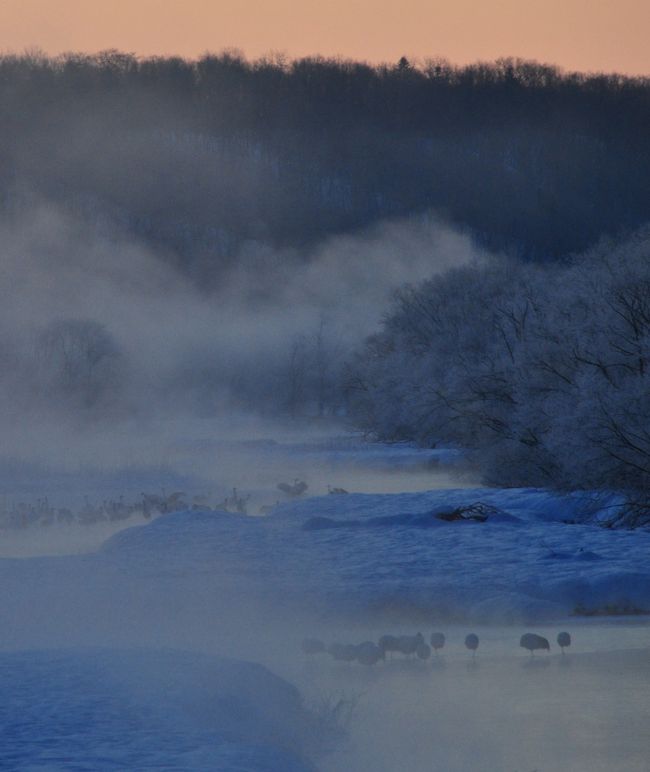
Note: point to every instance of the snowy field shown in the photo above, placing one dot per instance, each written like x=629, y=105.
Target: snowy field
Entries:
x=176, y=643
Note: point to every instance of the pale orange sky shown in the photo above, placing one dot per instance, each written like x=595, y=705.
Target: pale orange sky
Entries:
x=610, y=35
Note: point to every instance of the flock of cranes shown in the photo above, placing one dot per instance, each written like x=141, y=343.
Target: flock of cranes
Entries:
x=42, y=513
x=23, y=515
x=415, y=646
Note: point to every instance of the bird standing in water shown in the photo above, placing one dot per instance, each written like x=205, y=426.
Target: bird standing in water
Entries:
x=563, y=640
x=534, y=642
x=471, y=641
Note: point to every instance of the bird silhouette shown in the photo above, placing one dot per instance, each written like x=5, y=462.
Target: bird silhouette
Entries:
x=534, y=642
x=563, y=640
x=471, y=641
x=437, y=641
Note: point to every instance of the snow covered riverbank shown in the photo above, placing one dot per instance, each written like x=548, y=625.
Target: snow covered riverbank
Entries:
x=100, y=709
x=96, y=665
x=372, y=552
x=350, y=555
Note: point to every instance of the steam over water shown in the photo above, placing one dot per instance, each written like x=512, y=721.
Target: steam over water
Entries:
x=585, y=710
x=503, y=710
x=179, y=354
x=578, y=713
x=205, y=460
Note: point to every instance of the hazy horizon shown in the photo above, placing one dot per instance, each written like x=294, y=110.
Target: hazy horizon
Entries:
x=575, y=35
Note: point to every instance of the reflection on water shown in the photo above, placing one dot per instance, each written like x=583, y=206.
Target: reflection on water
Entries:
x=578, y=712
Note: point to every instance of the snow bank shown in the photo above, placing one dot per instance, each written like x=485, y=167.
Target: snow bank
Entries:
x=102, y=709
x=360, y=552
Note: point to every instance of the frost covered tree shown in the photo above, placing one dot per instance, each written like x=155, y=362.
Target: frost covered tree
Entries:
x=542, y=373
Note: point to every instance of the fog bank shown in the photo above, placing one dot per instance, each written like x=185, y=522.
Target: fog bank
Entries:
x=96, y=325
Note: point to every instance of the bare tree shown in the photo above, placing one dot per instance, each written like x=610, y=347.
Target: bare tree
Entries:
x=295, y=374
x=78, y=358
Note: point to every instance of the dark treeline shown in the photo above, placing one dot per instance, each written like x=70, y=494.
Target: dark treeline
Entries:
x=203, y=157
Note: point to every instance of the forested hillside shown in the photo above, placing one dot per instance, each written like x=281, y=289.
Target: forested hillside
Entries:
x=127, y=184
x=201, y=158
